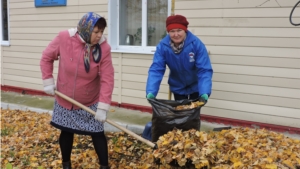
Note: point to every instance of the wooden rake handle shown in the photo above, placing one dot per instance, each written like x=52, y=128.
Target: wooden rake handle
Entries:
x=149, y=143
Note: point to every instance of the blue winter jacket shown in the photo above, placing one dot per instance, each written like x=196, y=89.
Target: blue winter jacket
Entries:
x=190, y=70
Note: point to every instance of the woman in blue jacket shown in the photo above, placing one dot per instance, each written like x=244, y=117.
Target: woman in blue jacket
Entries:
x=187, y=58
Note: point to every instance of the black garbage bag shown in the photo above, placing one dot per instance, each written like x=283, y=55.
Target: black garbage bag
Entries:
x=165, y=118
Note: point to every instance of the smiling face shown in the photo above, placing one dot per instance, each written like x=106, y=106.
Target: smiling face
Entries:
x=177, y=36
x=96, y=35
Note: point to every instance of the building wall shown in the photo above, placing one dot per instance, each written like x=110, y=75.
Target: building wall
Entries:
x=131, y=76
x=254, y=49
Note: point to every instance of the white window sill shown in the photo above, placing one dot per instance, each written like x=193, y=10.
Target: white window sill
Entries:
x=5, y=43
x=133, y=51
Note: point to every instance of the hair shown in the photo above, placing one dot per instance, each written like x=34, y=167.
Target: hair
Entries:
x=101, y=23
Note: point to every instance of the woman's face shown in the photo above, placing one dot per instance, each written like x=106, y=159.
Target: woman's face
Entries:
x=96, y=35
x=177, y=35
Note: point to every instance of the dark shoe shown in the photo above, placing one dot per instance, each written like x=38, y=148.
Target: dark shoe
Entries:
x=67, y=165
x=104, y=167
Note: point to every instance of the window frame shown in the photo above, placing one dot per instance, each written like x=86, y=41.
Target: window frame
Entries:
x=113, y=26
x=5, y=42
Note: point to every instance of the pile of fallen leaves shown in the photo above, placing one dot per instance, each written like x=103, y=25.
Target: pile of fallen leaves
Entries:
x=189, y=106
x=29, y=141
x=235, y=148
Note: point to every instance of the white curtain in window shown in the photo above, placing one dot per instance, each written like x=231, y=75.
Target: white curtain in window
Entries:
x=157, y=12
x=130, y=22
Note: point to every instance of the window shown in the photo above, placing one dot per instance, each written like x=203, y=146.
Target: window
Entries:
x=137, y=25
x=4, y=36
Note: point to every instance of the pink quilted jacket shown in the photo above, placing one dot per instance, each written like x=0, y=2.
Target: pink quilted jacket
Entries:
x=72, y=79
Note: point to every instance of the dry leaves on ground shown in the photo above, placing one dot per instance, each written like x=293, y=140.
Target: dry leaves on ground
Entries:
x=29, y=141
x=235, y=148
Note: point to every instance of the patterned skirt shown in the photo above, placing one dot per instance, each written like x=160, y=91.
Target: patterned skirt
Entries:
x=76, y=121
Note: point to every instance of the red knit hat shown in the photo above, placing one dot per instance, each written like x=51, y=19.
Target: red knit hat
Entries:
x=176, y=22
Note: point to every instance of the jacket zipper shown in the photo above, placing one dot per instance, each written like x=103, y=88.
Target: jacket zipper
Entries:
x=182, y=70
x=76, y=73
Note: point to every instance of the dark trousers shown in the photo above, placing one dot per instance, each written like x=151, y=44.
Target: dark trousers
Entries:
x=190, y=96
x=99, y=142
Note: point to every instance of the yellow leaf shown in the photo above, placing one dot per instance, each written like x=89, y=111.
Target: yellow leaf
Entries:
x=33, y=158
x=237, y=164
x=203, y=137
x=34, y=164
x=240, y=150
x=288, y=163
x=165, y=142
x=269, y=160
x=234, y=160
x=248, y=155
x=117, y=149
x=271, y=166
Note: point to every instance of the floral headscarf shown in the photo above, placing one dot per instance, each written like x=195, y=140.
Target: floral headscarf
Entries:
x=85, y=28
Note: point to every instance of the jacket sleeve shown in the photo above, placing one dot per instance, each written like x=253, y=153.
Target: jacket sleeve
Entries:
x=50, y=54
x=106, y=73
x=204, y=68
x=156, y=72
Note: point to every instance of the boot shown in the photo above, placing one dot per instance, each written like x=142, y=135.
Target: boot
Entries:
x=67, y=165
x=104, y=167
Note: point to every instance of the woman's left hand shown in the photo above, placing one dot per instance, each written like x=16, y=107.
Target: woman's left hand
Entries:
x=101, y=115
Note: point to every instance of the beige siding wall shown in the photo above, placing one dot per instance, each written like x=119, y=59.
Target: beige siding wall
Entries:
x=254, y=50
x=133, y=77
x=1, y=64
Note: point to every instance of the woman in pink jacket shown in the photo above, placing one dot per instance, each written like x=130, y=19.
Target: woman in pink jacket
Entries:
x=86, y=74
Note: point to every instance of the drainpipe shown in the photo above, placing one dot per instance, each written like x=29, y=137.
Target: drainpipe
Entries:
x=172, y=13
x=173, y=7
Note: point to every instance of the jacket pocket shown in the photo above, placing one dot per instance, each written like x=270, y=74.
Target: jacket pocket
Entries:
x=62, y=87
x=88, y=95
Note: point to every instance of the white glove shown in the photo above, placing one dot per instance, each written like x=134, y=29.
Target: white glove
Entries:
x=50, y=89
x=100, y=115
x=49, y=86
